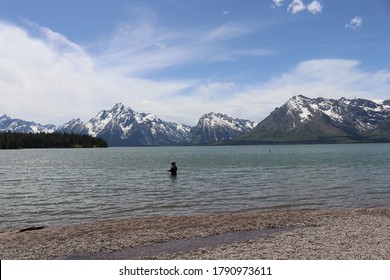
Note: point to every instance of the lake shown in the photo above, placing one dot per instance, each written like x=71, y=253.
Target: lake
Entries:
x=65, y=186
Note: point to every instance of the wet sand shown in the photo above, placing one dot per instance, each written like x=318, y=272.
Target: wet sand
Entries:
x=304, y=234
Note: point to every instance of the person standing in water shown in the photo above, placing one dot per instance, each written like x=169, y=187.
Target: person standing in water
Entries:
x=173, y=169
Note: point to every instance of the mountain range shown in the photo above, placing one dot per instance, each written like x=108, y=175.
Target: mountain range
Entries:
x=121, y=126
x=319, y=120
x=299, y=120
x=22, y=126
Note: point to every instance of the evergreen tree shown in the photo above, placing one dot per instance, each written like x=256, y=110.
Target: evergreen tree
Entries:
x=13, y=140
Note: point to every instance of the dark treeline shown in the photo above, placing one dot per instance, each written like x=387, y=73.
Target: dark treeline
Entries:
x=14, y=140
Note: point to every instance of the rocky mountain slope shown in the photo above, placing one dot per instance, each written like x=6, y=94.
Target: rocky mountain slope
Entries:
x=75, y=126
x=214, y=127
x=303, y=119
x=121, y=126
x=22, y=126
x=299, y=120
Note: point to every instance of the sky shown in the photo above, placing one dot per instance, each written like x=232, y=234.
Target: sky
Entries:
x=180, y=59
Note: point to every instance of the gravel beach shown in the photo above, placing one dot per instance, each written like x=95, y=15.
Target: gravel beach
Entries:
x=304, y=234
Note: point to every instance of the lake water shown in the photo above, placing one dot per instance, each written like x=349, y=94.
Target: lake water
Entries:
x=64, y=186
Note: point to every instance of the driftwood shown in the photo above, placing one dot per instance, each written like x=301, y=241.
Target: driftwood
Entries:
x=31, y=228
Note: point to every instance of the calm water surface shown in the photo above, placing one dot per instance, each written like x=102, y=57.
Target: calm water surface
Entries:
x=63, y=186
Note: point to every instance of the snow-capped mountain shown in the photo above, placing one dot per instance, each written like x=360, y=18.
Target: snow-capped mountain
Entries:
x=17, y=125
x=121, y=126
x=358, y=114
x=214, y=127
x=299, y=120
x=303, y=119
x=75, y=126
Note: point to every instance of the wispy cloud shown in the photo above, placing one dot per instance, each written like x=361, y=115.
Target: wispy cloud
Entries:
x=221, y=55
x=226, y=32
x=48, y=78
x=253, y=52
x=354, y=23
x=141, y=47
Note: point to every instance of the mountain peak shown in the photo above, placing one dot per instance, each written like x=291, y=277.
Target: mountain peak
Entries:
x=211, y=117
x=213, y=127
x=121, y=126
x=22, y=126
x=118, y=107
x=300, y=119
x=312, y=119
x=299, y=98
x=75, y=126
x=4, y=118
x=213, y=114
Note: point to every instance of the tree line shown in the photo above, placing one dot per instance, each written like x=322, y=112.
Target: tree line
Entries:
x=16, y=140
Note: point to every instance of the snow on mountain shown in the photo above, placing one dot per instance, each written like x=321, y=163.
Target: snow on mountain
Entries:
x=357, y=113
x=21, y=126
x=303, y=119
x=123, y=126
x=300, y=119
x=214, y=127
x=75, y=126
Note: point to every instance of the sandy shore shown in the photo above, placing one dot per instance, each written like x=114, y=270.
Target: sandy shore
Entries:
x=306, y=234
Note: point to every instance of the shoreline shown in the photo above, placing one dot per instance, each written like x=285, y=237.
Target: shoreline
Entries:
x=362, y=233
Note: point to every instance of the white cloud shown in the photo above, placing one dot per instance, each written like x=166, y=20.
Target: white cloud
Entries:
x=296, y=6
x=47, y=78
x=314, y=7
x=354, y=23
x=277, y=3
x=329, y=78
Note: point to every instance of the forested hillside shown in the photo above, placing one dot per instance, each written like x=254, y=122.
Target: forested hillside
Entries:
x=12, y=140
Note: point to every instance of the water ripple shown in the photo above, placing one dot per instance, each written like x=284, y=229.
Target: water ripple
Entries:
x=71, y=186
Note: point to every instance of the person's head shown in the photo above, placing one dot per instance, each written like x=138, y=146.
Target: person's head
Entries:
x=173, y=163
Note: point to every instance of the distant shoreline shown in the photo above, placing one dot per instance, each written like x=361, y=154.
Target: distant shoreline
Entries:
x=16, y=140
x=316, y=234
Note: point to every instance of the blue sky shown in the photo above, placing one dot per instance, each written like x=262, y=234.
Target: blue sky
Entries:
x=179, y=59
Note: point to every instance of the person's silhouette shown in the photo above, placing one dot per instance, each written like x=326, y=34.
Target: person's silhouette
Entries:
x=173, y=169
